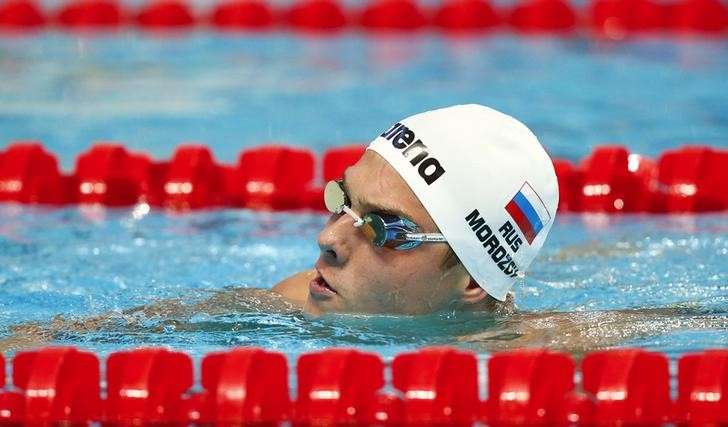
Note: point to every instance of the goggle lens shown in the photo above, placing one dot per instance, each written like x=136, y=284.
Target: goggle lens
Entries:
x=375, y=229
x=381, y=229
x=334, y=197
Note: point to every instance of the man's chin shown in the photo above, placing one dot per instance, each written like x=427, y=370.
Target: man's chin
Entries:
x=316, y=307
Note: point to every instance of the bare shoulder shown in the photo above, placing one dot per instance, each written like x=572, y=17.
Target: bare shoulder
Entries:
x=295, y=288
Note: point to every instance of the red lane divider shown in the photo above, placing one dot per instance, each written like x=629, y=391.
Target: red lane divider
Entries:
x=703, y=388
x=616, y=18
x=242, y=15
x=389, y=15
x=275, y=177
x=59, y=385
x=193, y=180
x=91, y=14
x=606, y=180
x=29, y=174
x=109, y=175
x=543, y=16
x=385, y=410
x=693, y=179
x=11, y=403
x=613, y=180
x=611, y=18
x=21, y=14
x=337, y=386
x=466, y=15
x=336, y=160
x=569, y=178
x=146, y=385
x=528, y=388
x=630, y=386
x=440, y=386
x=703, y=16
x=317, y=15
x=244, y=385
x=166, y=14
x=435, y=386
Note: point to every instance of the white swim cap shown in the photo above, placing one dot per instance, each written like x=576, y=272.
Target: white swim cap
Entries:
x=485, y=180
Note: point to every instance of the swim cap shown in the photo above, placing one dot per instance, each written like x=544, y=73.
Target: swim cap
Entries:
x=485, y=180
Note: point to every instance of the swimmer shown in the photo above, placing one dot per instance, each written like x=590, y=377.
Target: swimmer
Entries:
x=445, y=211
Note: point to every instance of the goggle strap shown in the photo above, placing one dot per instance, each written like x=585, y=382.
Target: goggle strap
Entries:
x=425, y=237
x=358, y=222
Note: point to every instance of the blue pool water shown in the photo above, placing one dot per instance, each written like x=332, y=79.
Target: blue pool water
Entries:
x=76, y=263
x=152, y=93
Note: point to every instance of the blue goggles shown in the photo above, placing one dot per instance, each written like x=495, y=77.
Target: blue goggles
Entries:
x=383, y=230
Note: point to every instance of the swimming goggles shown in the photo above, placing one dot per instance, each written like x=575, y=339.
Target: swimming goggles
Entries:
x=382, y=229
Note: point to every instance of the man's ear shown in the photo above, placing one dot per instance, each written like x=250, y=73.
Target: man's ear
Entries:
x=473, y=293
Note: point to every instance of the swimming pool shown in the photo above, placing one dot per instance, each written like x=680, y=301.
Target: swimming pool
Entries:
x=231, y=93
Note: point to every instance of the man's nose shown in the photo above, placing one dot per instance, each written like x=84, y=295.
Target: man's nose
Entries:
x=336, y=239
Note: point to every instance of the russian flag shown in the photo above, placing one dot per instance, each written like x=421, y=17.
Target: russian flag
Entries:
x=528, y=211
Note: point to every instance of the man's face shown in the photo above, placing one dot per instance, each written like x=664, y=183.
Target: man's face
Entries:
x=354, y=275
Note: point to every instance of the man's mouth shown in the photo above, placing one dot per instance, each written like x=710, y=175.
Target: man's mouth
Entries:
x=319, y=288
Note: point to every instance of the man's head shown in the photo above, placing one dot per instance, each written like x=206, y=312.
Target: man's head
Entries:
x=477, y=176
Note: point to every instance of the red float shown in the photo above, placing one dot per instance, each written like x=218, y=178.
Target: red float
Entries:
x=615, y=181
x=528, y=387
x=644, y=186
x=703, y=16
x=605, y=182
x=466, y=15
x=385, y=410
x=21, y=14
x=703, y=388
x=337, y=386
x=28, y=174
x=154, y=189
x=274, y=177
x=11, y=403
x=336, y=160
x=631, y=386
x=167, y=14
x=91, y=14
x=610, y=180
x=576, y=409
x=617, y=18
x=687, y=180
x=107, y=174
x=715, y=177
x=146, y=386
x=316, y=15
x=193, y=180
x=315, y=199
x=400, y=15
x=59, y=384
x=543, y=15
x=242, y=15
x=569, y=179
x=245, y=385
x=440, y=386
x=12, y=408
